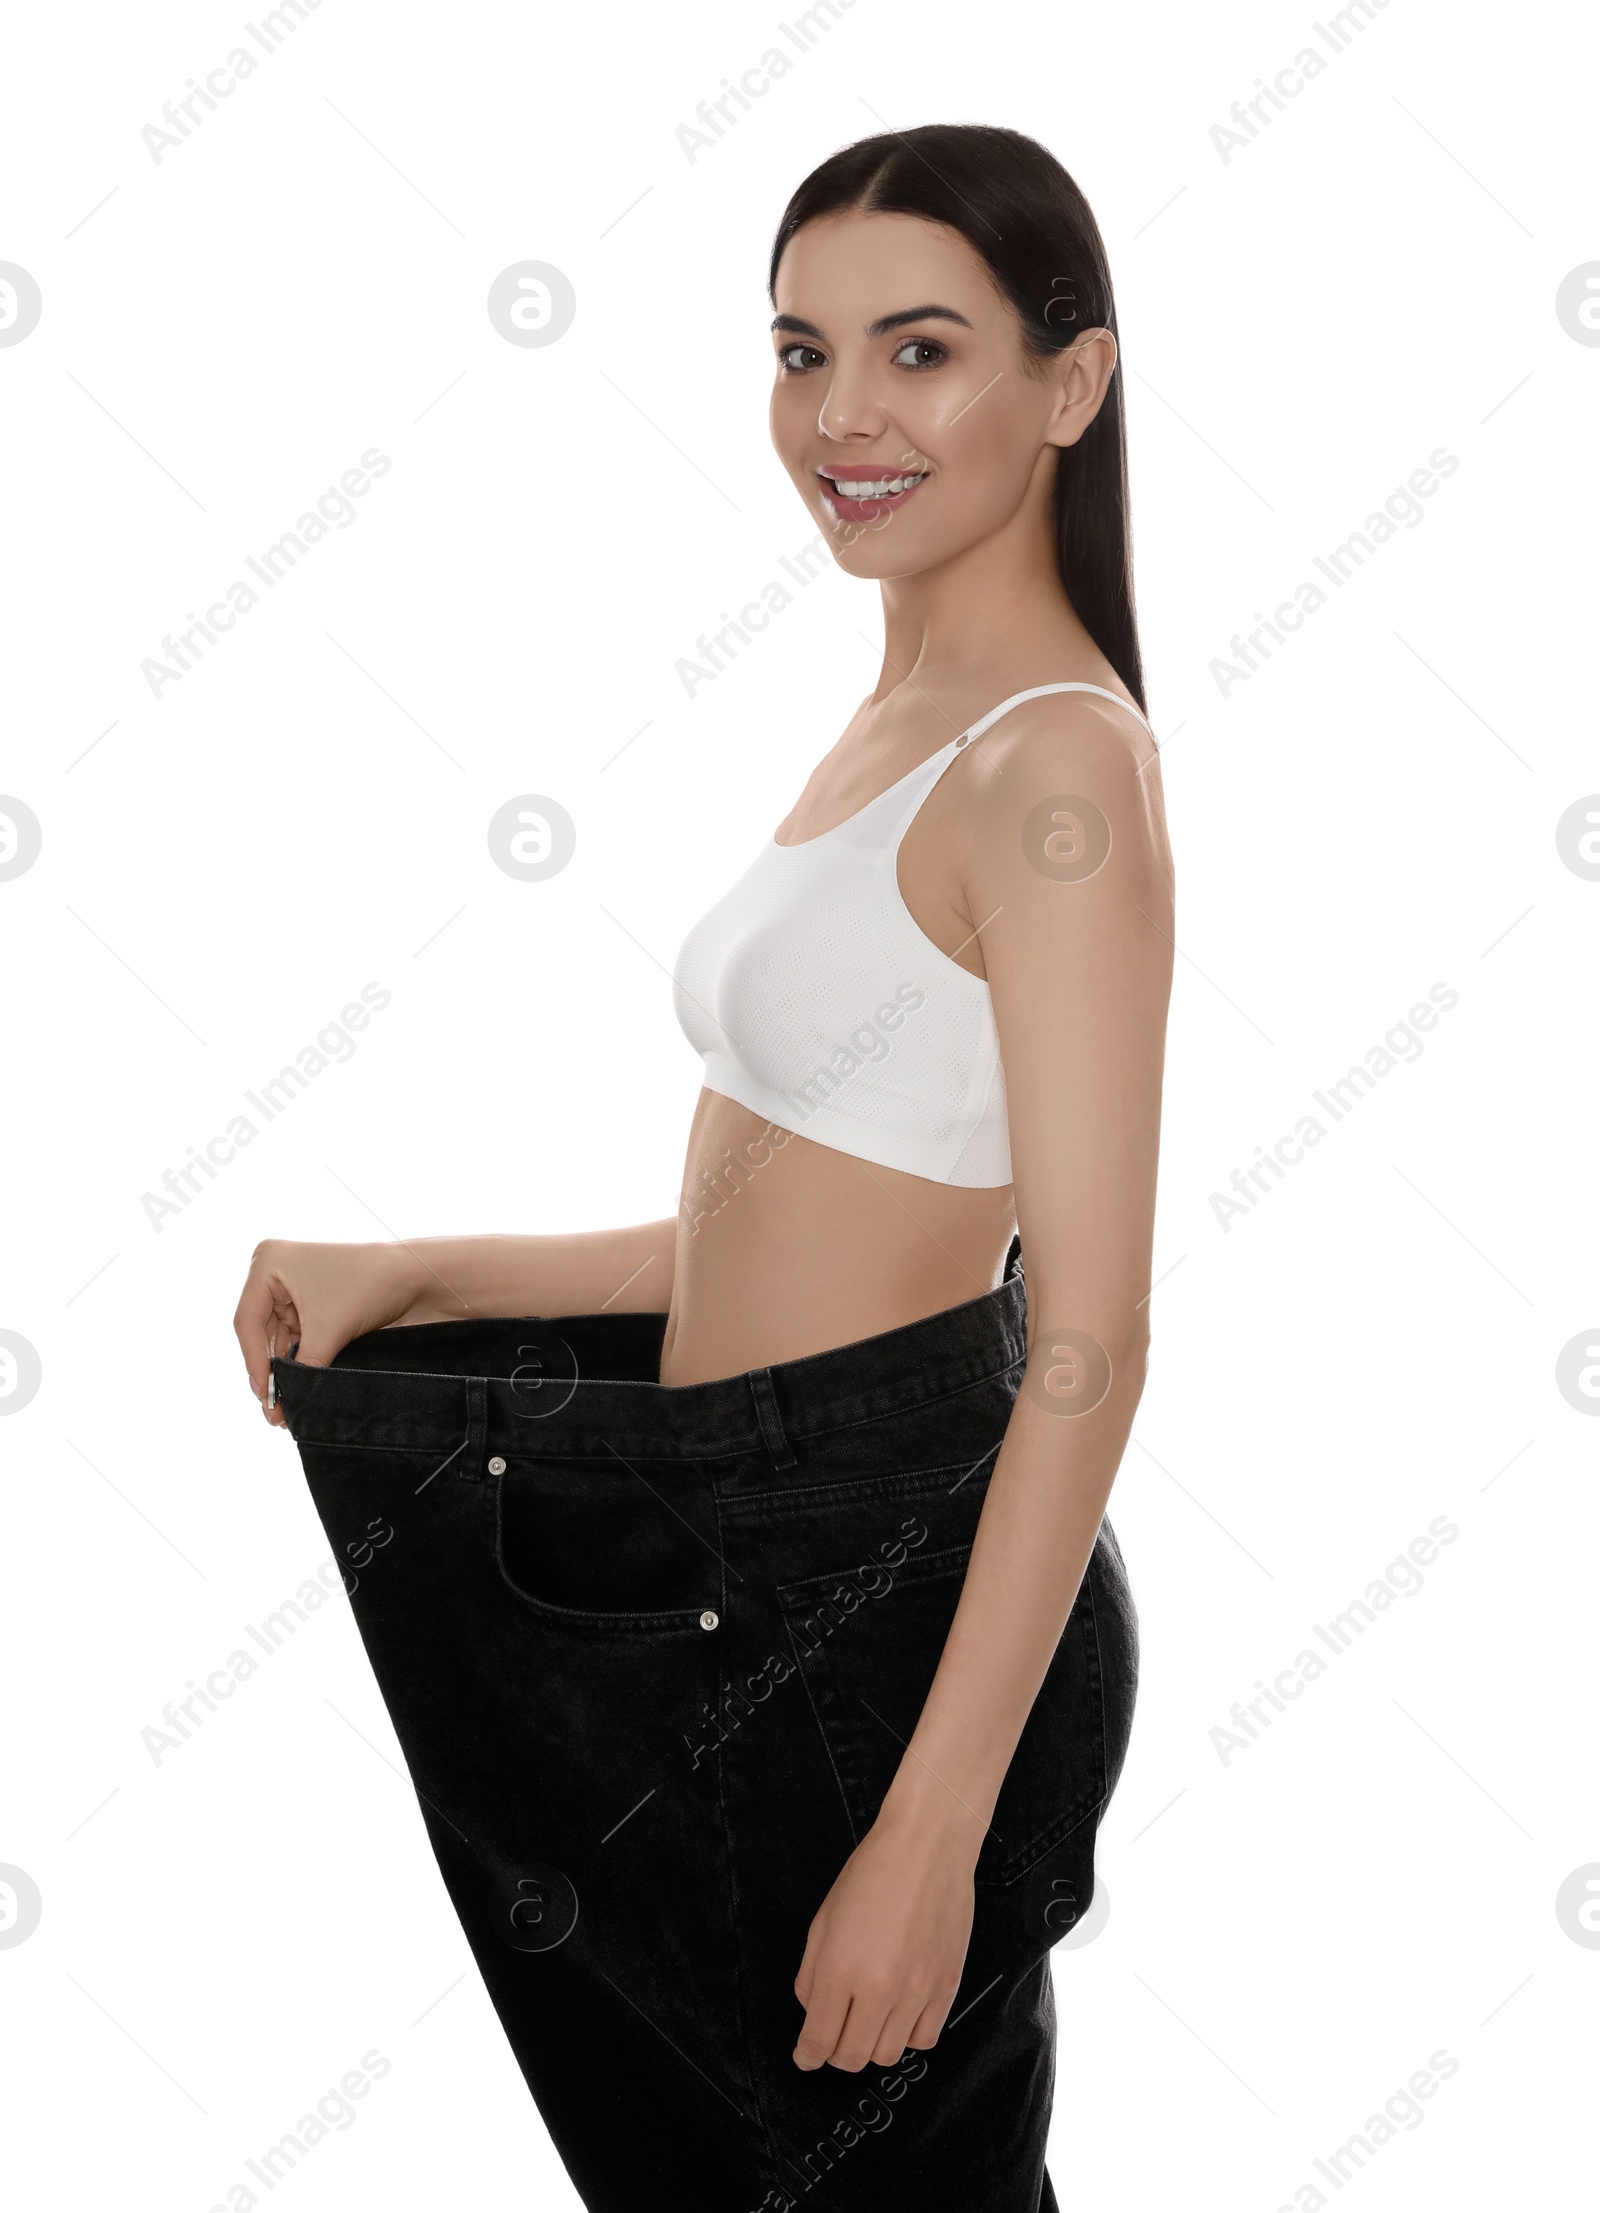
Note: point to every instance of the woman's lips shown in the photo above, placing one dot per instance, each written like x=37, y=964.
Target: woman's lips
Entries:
x=857, y=494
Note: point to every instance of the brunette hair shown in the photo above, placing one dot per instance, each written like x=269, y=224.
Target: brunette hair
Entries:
x=1016, y=206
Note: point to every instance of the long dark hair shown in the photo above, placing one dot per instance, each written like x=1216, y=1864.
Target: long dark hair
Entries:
x=1016, y=206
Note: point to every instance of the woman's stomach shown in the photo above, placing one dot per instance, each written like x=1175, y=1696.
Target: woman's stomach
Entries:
x=786, y=1247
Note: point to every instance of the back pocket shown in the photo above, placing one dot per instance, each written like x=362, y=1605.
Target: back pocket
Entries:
x=868, y=1646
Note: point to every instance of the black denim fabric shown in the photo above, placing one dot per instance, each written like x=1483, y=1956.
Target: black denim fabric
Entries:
x=652, y=1655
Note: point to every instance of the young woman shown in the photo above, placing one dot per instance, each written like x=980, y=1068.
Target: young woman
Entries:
x=742, y=1596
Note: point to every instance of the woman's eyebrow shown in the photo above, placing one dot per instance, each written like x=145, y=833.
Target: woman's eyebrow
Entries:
x=882, y=326
x=886, y=323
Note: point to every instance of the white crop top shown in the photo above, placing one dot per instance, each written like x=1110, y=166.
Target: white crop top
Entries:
x=816, y=1001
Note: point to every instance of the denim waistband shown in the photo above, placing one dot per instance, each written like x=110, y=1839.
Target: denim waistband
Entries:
x=548, y=1390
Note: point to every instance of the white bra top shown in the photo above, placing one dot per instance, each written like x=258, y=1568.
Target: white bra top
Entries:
x=816, y=1001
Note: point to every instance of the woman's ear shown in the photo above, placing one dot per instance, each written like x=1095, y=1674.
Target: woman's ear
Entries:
x=1083, y=374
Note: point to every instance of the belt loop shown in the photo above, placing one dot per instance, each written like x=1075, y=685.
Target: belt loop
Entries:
x=767, y=1414
x=477, y=1427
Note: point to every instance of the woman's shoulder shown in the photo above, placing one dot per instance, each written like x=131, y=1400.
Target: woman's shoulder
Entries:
x=1098, y=725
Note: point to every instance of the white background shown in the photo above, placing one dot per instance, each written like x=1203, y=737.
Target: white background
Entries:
x=1293, y=1931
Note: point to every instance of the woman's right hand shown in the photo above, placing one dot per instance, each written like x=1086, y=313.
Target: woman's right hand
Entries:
x=322, y=1295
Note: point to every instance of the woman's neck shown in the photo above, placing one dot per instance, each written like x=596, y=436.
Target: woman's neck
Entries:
x=996, y=608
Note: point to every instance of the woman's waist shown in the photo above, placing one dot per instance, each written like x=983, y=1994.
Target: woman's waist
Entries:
x=825, y=1254
x=736, y=1313
x=579, y=1386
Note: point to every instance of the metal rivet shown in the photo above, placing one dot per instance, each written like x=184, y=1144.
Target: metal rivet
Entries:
x=497, y=1466
x=708, y=1619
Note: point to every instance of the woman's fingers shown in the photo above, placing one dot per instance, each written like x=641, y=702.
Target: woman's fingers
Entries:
x=852, y=2029
x=883, y=1958
x=924, y=2032
x=862, y=2032
x=896, y=2033
x=311, y=1300
x=808, y=1961
x=266, y=1321
x=252, y=1325
x=319, y=1339
x=819, y=2032
x=856, y=2019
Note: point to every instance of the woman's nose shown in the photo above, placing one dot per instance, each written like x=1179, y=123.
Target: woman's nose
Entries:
x=851, y=408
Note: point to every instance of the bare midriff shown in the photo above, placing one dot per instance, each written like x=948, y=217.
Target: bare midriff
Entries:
x=787, y=1247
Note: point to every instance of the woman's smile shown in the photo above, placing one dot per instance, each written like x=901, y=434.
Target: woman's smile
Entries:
x=858, y=491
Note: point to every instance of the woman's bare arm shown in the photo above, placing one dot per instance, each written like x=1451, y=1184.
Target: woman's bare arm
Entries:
x=322, y=1296
x=596, y=1271
x=1064, y=862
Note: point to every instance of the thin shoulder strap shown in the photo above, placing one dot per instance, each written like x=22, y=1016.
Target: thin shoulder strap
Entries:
x=921, y=781
x=1039, y=690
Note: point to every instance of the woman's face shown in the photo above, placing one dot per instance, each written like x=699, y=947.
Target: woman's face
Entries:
x=904, y=407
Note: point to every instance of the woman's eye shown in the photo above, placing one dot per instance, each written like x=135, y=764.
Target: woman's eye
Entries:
x=926, y=353
x=800, y=356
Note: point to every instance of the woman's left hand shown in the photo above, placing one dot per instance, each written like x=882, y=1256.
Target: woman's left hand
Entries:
x=884, y=1956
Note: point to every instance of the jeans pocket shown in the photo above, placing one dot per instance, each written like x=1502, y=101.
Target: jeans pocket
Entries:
x=868, y=1654
x=582, y=1544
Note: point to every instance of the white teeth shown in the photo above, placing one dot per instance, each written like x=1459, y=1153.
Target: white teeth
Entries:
x=881, y=488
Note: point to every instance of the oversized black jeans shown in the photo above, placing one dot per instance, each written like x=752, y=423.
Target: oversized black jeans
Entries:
x=653, y=1655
